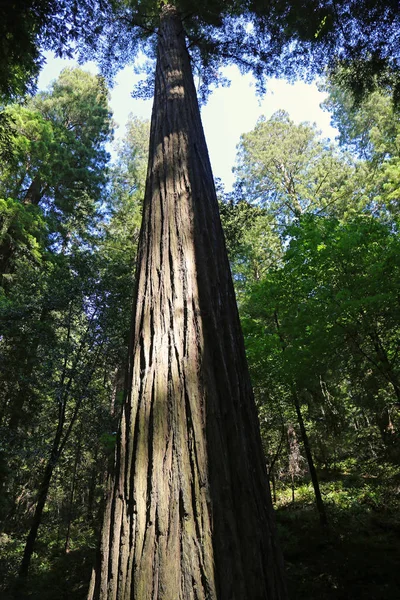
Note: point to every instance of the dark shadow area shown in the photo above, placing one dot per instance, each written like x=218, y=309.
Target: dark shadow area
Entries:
x=358, y=557
x=53, y=574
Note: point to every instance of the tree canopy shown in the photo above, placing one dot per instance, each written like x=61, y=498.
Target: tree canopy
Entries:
x=291, y=169
x=279, y=37
x=57, y=169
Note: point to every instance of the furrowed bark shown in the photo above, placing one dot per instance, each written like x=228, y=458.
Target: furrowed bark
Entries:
x=189, y=515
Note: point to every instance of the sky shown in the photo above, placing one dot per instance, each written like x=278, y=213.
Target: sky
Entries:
x=228, y=114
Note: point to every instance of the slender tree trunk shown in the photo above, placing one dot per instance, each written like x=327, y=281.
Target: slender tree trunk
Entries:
x=189, y=514
x=386, y=428
x=72, y=493
x=314, y=477
x=273, y=481
x=37, y=517
x=60, y=439
x=271, y=465
x=94, y=477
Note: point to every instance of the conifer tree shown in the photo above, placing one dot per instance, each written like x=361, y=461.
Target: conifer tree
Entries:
x=188, y=512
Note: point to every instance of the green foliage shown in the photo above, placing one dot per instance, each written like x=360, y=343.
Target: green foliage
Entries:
x=54, y=574
x=330, y=314
x=291, y=170
x=323, y=316
x=356, y=558
x=23, y=230
x=28, y=27
x=57, y=170
x=252, y=241
x=371, y=129
x=340, y=280
x=318, y=36
x=279, y=38
x=19, y=45
x=65, y=318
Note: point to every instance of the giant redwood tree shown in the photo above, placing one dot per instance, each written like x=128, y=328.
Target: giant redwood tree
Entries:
x=188, y=512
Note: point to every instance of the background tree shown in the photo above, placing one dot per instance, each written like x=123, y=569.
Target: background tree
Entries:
x=252, y=240
x=65, y=325
x=57, y=169
x=291, y=170
x=54, y=176
x=282, y=167
x=51, y=191
x=332, y=309
x=370, y=130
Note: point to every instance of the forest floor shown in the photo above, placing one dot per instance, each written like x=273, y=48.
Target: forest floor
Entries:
x=358, y=556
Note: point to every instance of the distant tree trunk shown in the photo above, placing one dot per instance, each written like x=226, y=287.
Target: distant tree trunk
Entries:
x=95, y=476
x=41, y=501
x=295, y=457
x=189, y=514
x=72, y=493
x=386, y=427
x=313, y=473
x=273, y=484
x=271, y=465
x=34, y=193
x=61, y=437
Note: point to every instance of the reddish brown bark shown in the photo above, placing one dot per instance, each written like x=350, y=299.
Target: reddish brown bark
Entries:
x=189, y=514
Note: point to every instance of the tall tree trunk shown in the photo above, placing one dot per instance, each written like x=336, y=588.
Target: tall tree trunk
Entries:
x=189, y=514
x=313, y=473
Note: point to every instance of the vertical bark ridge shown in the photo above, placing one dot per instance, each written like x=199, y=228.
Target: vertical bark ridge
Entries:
x=190, y=518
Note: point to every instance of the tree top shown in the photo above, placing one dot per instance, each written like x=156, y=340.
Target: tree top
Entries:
x=287, y=38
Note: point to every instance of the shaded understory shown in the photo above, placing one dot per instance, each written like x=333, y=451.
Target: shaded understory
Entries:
x=358, y=558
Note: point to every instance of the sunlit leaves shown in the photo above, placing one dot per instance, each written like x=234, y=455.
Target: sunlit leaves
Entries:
x=57, y=162
x=289, y=169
